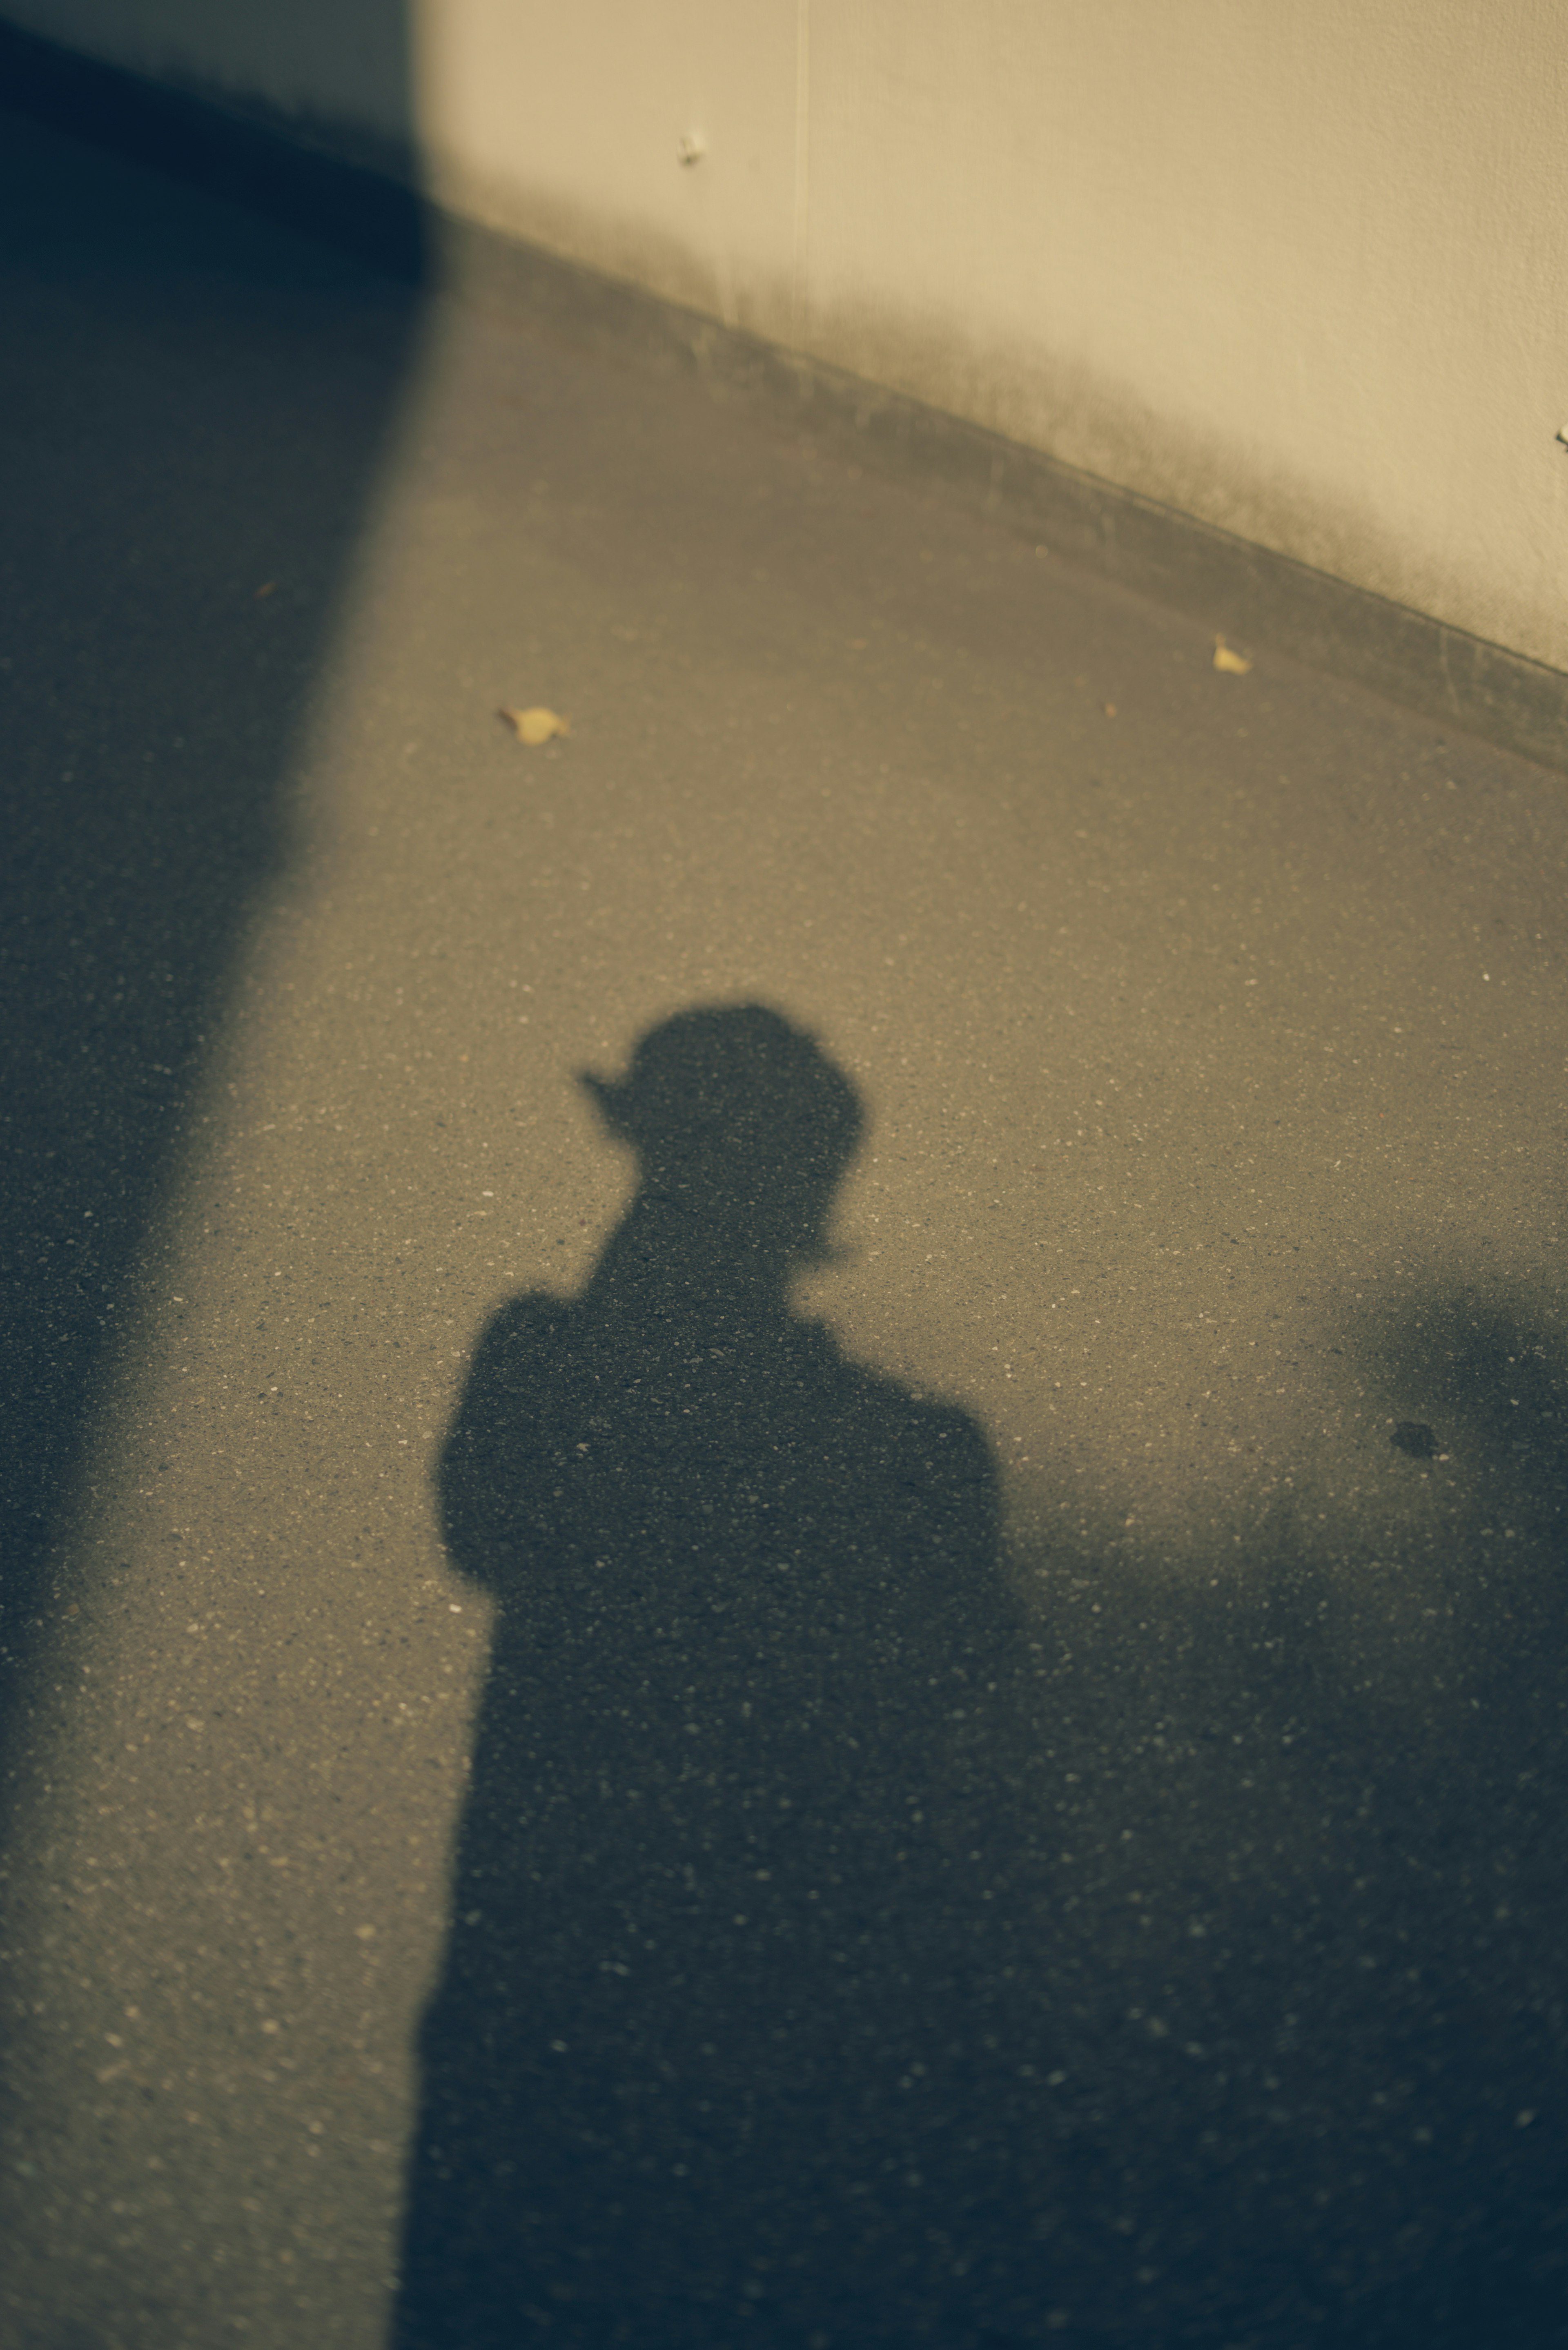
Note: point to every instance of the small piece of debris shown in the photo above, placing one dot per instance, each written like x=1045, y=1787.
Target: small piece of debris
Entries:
x=1236, y=665
x=537, y=726
x=1110, y=708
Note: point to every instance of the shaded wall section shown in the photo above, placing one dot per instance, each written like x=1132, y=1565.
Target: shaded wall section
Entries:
x=194, y=406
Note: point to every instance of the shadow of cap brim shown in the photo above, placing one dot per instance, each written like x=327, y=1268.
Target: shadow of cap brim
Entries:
x=607, y=1097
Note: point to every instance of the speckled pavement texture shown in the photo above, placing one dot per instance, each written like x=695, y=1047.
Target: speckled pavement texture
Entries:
x=897, y=1679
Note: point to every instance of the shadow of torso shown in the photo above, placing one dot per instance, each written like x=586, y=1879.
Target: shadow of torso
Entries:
x=720, y=2015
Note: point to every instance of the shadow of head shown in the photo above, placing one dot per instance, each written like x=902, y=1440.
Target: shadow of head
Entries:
x=740, y=1118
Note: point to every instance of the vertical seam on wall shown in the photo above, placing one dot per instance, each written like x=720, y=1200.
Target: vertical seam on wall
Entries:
x=802, y=164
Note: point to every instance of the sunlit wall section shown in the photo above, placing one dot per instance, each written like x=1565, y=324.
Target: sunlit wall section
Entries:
x=1299, y=277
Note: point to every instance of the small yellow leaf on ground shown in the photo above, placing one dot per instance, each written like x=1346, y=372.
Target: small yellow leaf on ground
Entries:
x=1238, y=664
x=537, y=726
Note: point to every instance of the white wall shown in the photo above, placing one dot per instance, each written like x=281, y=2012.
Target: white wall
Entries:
x=1301, y=271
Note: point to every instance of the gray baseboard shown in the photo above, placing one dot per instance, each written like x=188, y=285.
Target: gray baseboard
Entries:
x=331, y=183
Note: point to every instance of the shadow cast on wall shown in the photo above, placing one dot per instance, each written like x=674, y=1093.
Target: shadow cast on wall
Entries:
x=722, y=2038
x=860, y=1938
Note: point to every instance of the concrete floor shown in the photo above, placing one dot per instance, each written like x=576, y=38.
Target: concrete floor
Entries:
x=1206, y=1034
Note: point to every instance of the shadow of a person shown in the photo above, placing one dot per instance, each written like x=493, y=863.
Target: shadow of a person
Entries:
x=717, y=2050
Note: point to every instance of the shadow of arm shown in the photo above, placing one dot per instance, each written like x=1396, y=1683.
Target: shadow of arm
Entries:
x=493, y=1483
